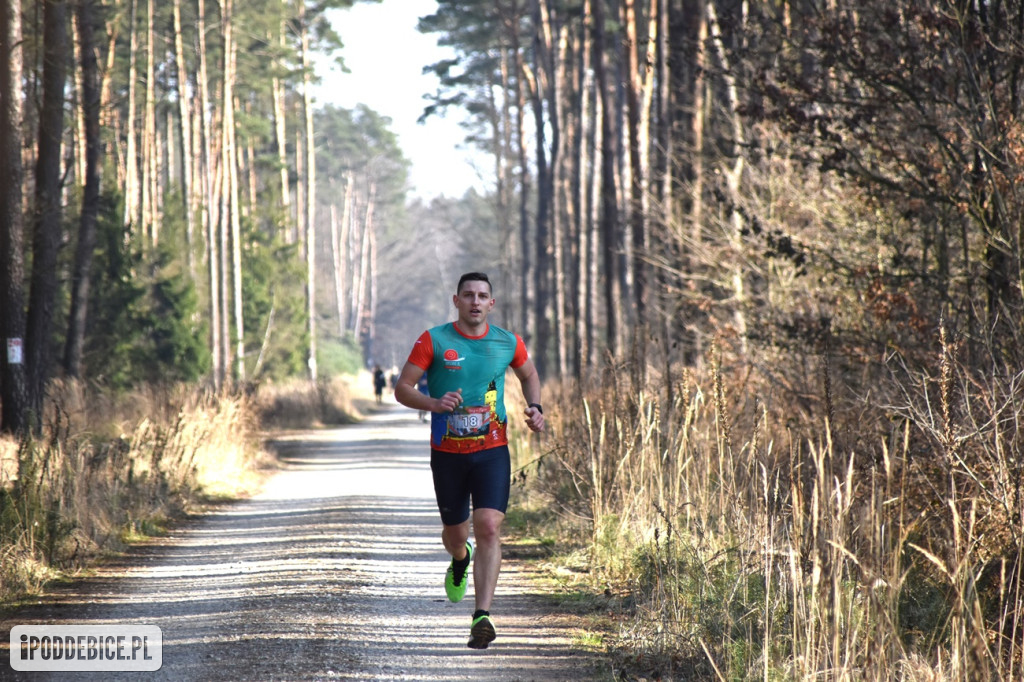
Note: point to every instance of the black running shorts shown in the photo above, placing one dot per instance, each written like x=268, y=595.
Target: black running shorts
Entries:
x=484, y=476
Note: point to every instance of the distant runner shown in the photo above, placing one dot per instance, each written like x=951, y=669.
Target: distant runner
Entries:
x=378, y=384
x=423, y=387
x=465, y=363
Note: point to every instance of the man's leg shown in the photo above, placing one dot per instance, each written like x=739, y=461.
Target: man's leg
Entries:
x=449, y=474
x=456, y=578
x=487, y=559
x=454, y=539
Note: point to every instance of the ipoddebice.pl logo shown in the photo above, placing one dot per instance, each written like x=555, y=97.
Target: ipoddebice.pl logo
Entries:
x=86, y=647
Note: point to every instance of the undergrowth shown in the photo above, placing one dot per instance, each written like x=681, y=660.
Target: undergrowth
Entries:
x=110, y=469
x=106, y=471
x=734, y=537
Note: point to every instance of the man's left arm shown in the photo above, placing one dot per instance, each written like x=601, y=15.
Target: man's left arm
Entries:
x=530, y=381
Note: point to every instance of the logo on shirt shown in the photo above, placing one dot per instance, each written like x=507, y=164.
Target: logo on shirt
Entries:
x=452, y=359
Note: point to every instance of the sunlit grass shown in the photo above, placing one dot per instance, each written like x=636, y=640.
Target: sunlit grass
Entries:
x=299, y=404
x=583, y=639
x=111, y=470
x=739, y=549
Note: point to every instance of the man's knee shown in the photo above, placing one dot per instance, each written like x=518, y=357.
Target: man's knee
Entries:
x=457, y=534
x=487, y=524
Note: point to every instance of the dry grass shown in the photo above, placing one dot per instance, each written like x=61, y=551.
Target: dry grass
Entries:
x=111, y=469
x=105, y=471
x=299, y=404
x=745, y=550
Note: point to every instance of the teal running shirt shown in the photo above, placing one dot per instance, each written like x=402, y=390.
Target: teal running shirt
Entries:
x=476, y=365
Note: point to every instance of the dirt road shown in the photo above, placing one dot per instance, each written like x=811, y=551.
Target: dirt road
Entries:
x=333, y=572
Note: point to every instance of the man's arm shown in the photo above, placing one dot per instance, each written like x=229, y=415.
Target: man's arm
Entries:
x=530, y=381
x=410, y=396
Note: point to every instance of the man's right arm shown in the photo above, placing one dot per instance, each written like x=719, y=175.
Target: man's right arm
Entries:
x=407, y=393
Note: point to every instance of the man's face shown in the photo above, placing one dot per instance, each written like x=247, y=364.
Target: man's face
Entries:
x=474, y=302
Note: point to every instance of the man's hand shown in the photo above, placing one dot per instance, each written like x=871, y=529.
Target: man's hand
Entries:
x=534, y=419
x=449, y=401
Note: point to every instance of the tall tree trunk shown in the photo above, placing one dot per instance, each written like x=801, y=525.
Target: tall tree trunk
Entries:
x=639, y=90
x=131, y=168
x=588, y=189
x=188, y=202
x=371, y=313
x=733, y=176
x=298, y=234
x=13, y=388
x=80, y=274
x=526, y=325
x=341, y=255
x=594, y=217
x=230, y=163
x=47, y=215
x=542, y=49
x=236, y=274
x=336, y=265
x=596, y=242
x=150, y=218
x=251, y=174
x=663, y=130
x=585, y=197
x=638, y=99
x=635, y=210
x=310, y=218
x=209, y=214
x=661, y=175
x=280, y=137
x=223, y=235
x=504, y=168
x=108, y=115
x=227, y=188
x=699, y=119
x=364, y=270
x=355, y=242
x=609, y=199
x=78, y=107
x=169, y=152
x=561, y=201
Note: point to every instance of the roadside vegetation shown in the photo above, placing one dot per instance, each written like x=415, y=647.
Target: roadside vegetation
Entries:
x=112, y=468
x=709, y=530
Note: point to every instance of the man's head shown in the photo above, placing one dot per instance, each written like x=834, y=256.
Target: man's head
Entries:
x=473, y=301
x=473, y=277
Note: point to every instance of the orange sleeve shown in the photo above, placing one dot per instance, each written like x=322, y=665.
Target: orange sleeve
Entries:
x=521, y=355
x=422, y=354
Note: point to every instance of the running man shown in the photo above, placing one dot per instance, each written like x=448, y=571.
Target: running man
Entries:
x=465, y=362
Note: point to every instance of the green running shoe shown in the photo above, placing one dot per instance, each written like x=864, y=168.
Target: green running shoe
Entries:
x=481, y=633
x=457, y=592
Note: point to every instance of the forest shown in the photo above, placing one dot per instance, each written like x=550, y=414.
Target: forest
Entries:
x=766, y=256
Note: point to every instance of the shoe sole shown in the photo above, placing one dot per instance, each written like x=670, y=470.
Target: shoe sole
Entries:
x=481, y=634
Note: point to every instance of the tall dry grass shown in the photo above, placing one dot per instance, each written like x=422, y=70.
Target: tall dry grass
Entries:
x=343, y=399
x=883, y=543
x=107, y=470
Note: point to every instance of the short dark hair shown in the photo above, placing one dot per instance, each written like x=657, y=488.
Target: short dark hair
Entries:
x=473, y=277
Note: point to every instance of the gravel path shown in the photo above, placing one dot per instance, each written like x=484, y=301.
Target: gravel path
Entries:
x=333, y=572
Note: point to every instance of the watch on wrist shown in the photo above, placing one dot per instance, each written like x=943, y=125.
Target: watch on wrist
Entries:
x=537, y=405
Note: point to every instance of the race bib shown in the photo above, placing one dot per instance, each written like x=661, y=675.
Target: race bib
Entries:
x=474, y=421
